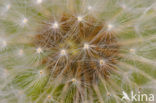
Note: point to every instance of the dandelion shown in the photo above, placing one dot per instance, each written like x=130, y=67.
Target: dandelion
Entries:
x=76, y=51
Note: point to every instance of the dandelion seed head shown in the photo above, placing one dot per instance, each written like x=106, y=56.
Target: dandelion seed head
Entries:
x=75, y=45
x=99, y=62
